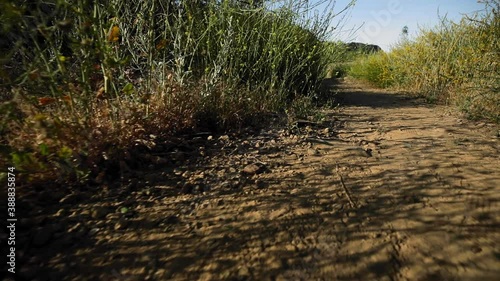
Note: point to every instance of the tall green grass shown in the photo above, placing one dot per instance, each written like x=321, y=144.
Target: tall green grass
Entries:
x=84, y=82
x=376, y=69
x=338, y=56
x=456, y=63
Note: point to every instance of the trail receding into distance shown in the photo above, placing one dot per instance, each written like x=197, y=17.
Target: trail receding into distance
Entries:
x=386, y=188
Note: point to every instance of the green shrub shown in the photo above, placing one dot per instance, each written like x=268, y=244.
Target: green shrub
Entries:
x=456, y=63
x=88, y=79
x=375, y=68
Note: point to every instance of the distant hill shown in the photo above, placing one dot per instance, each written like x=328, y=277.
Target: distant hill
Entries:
x=362, y=47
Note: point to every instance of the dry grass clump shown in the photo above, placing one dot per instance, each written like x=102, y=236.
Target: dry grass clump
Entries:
x=52, y=139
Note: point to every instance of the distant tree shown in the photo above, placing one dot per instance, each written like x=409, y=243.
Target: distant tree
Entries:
x=405, y=30
x=404, y=34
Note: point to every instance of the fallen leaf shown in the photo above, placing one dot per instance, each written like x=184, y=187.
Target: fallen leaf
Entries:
x=46, y=101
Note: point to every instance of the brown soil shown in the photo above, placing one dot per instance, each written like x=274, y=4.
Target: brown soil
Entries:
x=385, y=188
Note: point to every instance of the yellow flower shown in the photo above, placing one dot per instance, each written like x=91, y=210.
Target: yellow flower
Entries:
x=114, y=34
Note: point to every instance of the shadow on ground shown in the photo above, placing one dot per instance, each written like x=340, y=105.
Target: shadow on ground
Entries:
x=391, y=191
x=363, y=96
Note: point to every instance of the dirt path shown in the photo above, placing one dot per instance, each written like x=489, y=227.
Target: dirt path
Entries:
x=387, y=188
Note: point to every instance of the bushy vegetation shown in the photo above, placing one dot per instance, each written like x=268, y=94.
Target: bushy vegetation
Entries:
x=84, y=82
x=455, y=63
x=340, y=58
x=375, y=68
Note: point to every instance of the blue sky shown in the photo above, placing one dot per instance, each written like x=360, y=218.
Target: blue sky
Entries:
x=381, y=21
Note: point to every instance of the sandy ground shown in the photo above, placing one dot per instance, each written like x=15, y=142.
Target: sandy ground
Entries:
x=385, y=188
